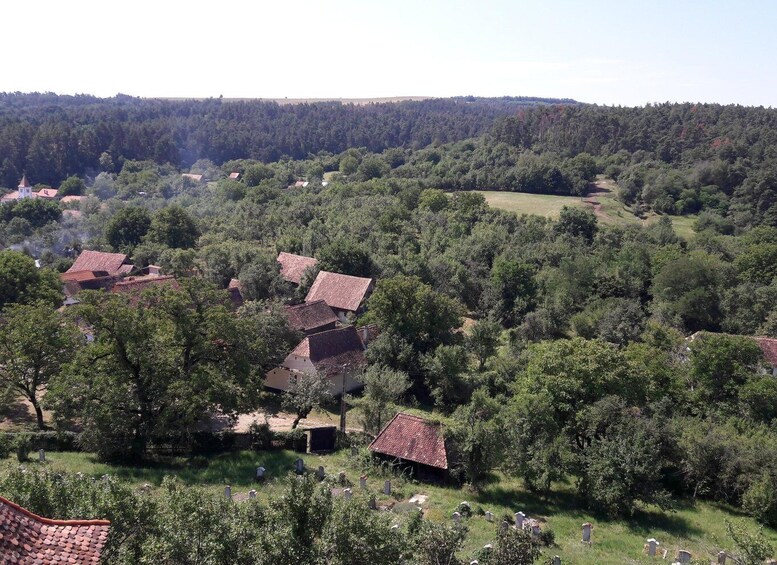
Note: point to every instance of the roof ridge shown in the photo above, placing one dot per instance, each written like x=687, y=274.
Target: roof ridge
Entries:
x=50, y=521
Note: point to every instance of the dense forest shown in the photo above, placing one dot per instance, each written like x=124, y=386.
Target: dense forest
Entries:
x=51, y=137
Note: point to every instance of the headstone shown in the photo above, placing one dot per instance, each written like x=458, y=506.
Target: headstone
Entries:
x=342, y=478
x=475, y=562
x=252, y=494
x=387, y=487
x=586, y=532
x=652, y=544
x=519, y=518
x=556, y=560
x=456, y=518
x=536, y=530
x=260, y=471
x=395, y=526
x=228, y=492
x=488, y=547
x=505, y=525
x=363, y=481
x=354, y=451
x=299, y=466
x=489, y=516
x=321, y=473
x=683, y=556
x=721, y=558
x=373, y=503
x=347, y=493
x=42, y=456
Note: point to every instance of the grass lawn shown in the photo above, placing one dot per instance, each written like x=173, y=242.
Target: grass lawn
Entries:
x=699, y=527
x=611, y=211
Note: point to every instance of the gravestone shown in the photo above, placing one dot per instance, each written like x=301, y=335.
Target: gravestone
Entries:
x=489, y=516
x=373, y=503
x=387, y=487
x=556, y=560
x=299, y=466
x=519, y=518
x=321, y=473
x=42, y=456
x=651, y=547
x=228, y=492
x=456, y=518
x=683, y=556
x=505, y=525
x=354, y=451
x=342, y=478
x=487, y=548
x=536, y=530
x=721, y=558
x=475, y=562
x=347, y=493
x=260, y=471
x=363, y=482
x=251, y=494
x=395, y=526
x=587, y=533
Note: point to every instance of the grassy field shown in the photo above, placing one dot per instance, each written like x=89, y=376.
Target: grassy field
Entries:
x=608, y=209
x=698, y=528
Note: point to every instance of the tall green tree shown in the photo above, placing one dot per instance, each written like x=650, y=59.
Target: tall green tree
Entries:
x=35, y=341
x=127, y=228
x=174, y=227
x=22, y=282
x=383, y=387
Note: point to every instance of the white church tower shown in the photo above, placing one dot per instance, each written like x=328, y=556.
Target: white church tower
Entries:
x=25, y=188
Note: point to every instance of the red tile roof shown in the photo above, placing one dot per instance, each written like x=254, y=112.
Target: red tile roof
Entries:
x=82, y=275
x=26, y=538
x=234, y=175
x=333, y=351
x=293, y=266
x=413, y=439
x=310, y=316
x=139, y=284
x=46, y=193
x=769, y=347
x=99, y=261
x=339, y=291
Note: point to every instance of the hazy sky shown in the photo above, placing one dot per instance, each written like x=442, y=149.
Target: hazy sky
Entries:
x=615, y=52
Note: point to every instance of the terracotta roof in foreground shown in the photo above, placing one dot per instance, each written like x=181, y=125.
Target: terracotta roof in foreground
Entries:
x=26, y=538
x=293, y=266
x=413, y=439
x=339, y=291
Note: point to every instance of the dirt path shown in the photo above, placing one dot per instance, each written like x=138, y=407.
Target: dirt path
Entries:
x=602, y=189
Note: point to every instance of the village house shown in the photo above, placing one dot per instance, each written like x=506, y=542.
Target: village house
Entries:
x=193, y=177
x=28, y=538
x=311, y=317
x=111, y=263
x=234, y=176
x=343, y=293
x=337, y=354
x=293, y=266
x=24, y=190
x=416, y=442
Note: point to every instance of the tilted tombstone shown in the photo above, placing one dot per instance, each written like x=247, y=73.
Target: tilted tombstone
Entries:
x=228, y=492
x=252, y=494
x=299, y=466
x=651, y=545
x=519, y=518
x=321, y=473
x=42, y=456
x=363, y=481
x=683, y=556
x=456, y=517
x=387, y=487
x=260, y=472
x=586, y=532
x=347, y=493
